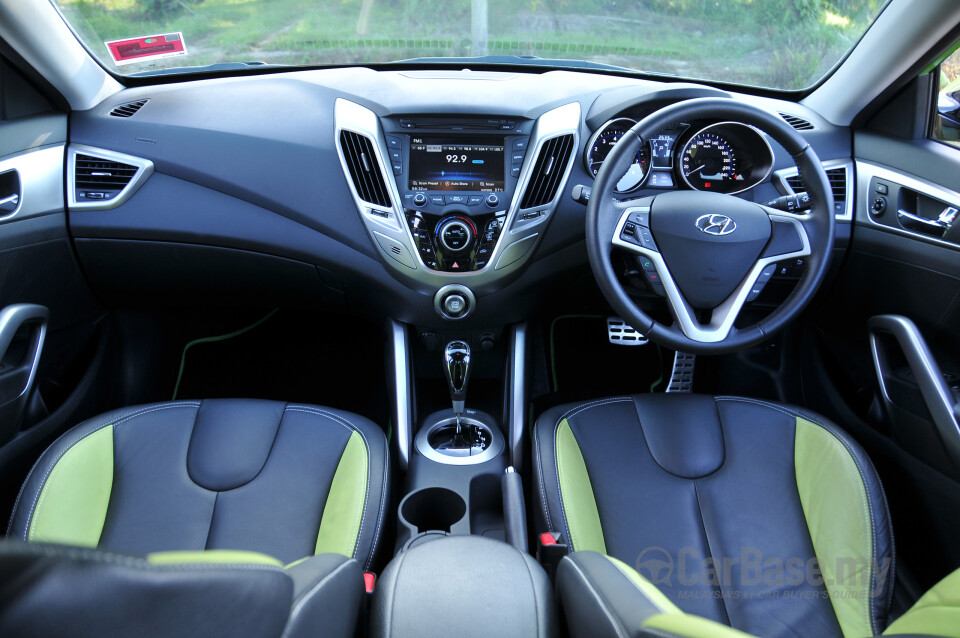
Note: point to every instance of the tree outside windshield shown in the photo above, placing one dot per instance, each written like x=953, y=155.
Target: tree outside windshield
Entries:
x=783, y=44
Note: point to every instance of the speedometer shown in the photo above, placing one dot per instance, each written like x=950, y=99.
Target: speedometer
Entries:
x=727, y=157
x=603, y=142
x=708, y=163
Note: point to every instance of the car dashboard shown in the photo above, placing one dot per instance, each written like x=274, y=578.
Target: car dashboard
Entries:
x=426, y=196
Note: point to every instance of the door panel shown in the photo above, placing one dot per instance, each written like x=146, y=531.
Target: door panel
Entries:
x=898, y=265
x=38, y=266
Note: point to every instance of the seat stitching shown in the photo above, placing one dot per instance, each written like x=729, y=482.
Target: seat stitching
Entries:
x=533, y=588
x=124, y=418
x=614, y=621
x=381, y=511
x=352, y=427
x=871, y=617
x=304, y=597
x=578, y=409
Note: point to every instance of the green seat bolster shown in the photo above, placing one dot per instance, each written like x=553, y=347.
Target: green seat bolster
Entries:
x=212, y=557
x=936, y=613
x=343, y=511
x=72, y=506
x=576, y=493
x=836, y=507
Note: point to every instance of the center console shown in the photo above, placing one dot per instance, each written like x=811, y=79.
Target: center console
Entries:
x=456, y=200
x=456, y=178
x=462, y=565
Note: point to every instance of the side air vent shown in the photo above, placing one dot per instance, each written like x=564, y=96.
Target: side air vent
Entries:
x=547, y=172
x=838, y=183
x=128, y=109
x=797, y=122
x=97, y=179
x=364, y=171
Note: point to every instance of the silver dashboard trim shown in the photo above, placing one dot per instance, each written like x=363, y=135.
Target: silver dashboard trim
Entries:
x=517, y=398
x=41, y=182
x=848, y=206
x=144, y=170
x=402, y=390
x=867, y=171
x=350, y=116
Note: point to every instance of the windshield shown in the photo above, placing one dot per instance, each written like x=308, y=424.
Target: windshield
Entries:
x=779, y=44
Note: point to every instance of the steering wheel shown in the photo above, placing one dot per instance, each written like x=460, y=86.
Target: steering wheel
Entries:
x=708, y=249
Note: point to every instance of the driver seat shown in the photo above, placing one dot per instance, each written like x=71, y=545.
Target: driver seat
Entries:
x=698, y=515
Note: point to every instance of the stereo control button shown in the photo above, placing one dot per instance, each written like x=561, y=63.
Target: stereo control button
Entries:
x=492, y=200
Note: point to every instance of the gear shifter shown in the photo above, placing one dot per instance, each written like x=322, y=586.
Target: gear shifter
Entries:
x=462, y=435
x=456, y=367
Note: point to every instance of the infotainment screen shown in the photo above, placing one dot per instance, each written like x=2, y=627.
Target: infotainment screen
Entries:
x=450, y=164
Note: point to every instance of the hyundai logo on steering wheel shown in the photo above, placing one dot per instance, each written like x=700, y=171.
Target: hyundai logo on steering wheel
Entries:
x=714, y=224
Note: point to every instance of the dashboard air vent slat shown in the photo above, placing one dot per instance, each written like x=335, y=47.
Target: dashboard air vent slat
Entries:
x=364, y=170
x=797, y=122
x=548, y=170
x=102, y=175
x=838, y=183
x=128, y=109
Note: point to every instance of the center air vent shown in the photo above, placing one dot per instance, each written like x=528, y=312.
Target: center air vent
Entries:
x=838, y=184
x=128, y=109
x=797, y=122
x=97, y=179
x=364, y=170
x=548, y=171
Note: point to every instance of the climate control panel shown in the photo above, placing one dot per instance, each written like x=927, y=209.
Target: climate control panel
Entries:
x=455, y=241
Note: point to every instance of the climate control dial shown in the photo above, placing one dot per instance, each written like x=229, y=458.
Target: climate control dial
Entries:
x=456, y=234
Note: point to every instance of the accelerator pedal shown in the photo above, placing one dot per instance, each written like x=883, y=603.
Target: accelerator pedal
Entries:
x=681, y=379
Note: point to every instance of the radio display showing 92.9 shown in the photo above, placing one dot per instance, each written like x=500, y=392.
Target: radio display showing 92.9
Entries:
x=456, y=165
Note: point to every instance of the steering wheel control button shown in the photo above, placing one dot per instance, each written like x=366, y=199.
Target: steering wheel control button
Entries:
x=455, y=234
x=641, y=218
x=454, y=305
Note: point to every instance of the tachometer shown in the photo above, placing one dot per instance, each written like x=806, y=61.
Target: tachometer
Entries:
x=603, y=142
x=708, y=163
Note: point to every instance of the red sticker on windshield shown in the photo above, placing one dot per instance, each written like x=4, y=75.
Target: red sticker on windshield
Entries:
x=148, y=47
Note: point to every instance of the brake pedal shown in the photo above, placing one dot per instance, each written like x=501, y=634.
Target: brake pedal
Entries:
x=620, y=333
x=681, y=379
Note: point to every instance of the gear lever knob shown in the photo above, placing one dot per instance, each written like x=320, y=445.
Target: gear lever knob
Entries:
x=456, y=367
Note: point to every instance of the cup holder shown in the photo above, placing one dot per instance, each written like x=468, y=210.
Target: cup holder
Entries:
x=433, y=509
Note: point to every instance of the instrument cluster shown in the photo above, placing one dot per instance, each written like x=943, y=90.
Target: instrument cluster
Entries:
x=722, y=157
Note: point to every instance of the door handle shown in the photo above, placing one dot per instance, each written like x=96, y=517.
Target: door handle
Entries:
x=936, y=227
x=17, y=378
x=9, y=204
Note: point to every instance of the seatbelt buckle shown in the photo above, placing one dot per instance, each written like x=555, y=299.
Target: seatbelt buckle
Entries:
x=550, y=551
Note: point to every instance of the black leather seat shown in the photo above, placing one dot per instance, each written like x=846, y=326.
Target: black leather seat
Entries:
x=286, y=481
x=711, y=513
